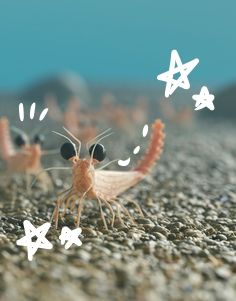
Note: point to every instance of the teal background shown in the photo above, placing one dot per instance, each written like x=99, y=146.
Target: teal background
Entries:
x=115, y=41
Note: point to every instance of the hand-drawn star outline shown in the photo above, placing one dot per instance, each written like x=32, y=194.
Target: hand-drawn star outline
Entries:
x=71, y=236
x=175, y=67
x=30, y=232
x=204, y=99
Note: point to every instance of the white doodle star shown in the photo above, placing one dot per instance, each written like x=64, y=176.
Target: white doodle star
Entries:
x=176, y=67
x=204, y=100
x=40, y=233
x=71, y=236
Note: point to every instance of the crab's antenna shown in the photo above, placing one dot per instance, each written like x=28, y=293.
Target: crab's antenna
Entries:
x=97, y=144
x=19, y=131
x=59, y=134
x=47, y=169
x=107, y=164
x=73, y=136
x=104, y=132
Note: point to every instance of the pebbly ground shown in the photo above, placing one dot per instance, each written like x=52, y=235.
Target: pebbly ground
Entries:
x=184, y=248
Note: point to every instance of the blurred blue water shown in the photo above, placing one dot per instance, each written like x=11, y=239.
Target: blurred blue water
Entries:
x=115, y=40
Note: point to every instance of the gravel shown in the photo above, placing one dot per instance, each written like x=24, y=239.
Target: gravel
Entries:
x=184, y=248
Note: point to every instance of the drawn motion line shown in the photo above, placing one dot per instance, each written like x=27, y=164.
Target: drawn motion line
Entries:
x=32, y=112
x=136, y=149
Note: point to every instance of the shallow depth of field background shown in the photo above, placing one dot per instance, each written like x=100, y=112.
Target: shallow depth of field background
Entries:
x=117, y=45
x=106, y=55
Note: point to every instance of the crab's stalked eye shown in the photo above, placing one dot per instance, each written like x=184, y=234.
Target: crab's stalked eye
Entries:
x=20, y=140
x=67, y=150
x=38, y=139
x=98, y=152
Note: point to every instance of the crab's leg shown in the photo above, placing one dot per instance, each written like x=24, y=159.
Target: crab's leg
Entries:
x=126, y=211
x=136, y=205
x=80, y=208
x=102, y=214
x=111, y=210
x=117, y=205
x=60, y=201
x=68, y=199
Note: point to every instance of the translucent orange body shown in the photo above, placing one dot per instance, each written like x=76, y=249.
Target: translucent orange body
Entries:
x=106, y=186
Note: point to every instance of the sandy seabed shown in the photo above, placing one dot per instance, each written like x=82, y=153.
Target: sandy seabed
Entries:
x=184, y=248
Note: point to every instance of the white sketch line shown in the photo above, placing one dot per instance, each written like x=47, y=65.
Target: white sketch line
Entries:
x=145, y=130
x=21, y=111
x=124, y=162
x=71, y=236
x=39, y=233
x=43, y=114
x=176, y=66
x=32, y=110
x=204, y=100
x=136, y=150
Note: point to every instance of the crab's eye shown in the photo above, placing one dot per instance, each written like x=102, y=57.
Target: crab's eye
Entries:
x=98, y=152
x=20, y=140
x=67, y=150
x=38, y=139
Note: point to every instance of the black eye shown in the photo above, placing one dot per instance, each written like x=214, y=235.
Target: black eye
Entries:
x=67, y=151
x=38, y=139
x=98, y=151
x=20, y=140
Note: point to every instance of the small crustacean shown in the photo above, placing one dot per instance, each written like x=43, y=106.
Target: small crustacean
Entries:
x=27, y=158
x=104, y=186
x=182, y=116
x=79, y=122
x=123, y=116
x=116, y=115
x=139, y=112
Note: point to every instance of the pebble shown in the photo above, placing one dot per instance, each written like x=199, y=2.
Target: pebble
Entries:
x=144, y=221
x=171, y=236
x=88, y=232
x=221, y=237
x=223, y=273
x=159, y=235
x=160, y=230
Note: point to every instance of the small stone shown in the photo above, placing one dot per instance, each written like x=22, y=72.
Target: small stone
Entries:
x=159, y=235
x=144, y=221
x=88, y=232
x=221, y=237
x=223, y=273
x=171, y=236
x=160, y=230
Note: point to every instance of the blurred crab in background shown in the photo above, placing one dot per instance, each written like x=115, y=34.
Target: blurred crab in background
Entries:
x=25, y=156
x=121, y=116
x=81, y=123
x=182, y=116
